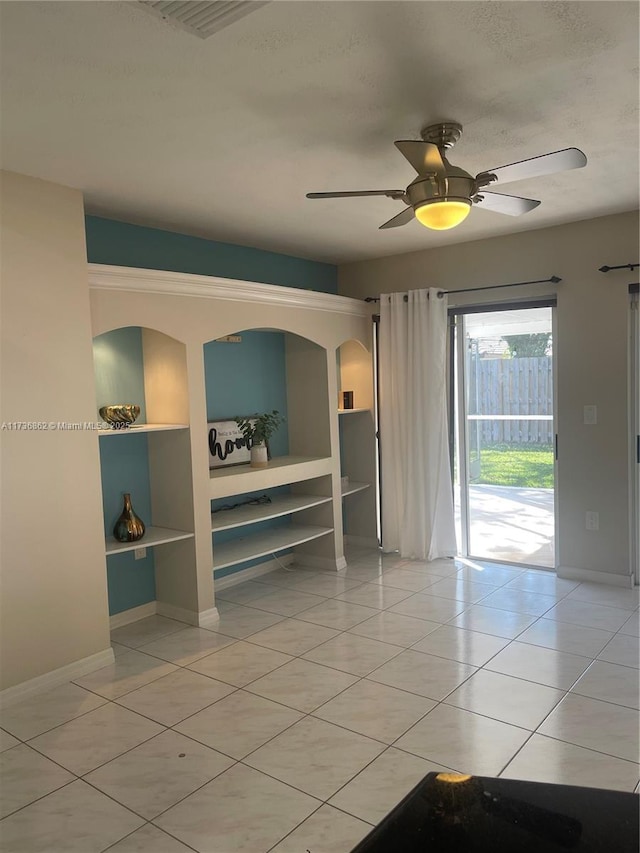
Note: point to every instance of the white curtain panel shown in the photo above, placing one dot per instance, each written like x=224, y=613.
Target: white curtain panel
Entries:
x=417, y=498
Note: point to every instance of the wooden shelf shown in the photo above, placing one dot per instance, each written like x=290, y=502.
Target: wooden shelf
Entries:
x=352, y=488
x=142, y=428
x=235, y=480
x=152, y=536
x=351, y=411
x=262, y=544
x=279, y=505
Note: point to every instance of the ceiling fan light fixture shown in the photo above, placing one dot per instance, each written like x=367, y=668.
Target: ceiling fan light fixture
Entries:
x=442, y=214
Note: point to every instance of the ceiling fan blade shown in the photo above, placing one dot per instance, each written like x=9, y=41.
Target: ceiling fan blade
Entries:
x=398, y=194
x=512, y=205
x=546, y=164
x=423, y=156
x=402, y=218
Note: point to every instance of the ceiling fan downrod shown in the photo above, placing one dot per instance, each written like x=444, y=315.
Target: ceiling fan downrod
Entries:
x=445, y=134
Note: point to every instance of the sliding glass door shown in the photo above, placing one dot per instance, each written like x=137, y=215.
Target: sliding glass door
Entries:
x=504, y=467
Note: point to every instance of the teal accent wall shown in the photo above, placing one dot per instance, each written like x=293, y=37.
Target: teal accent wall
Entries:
x=119, y=375
x=248, y=377
x=125, y=468
x=241, y=378
x=124, y=462
x=127, y=245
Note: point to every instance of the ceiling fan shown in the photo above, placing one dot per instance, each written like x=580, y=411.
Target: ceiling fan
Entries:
x=441, y=196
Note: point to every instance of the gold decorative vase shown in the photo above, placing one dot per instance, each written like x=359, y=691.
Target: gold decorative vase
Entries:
x=128, y=528
x=120, y=413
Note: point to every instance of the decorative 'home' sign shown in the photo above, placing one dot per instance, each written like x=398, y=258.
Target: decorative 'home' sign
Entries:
x=227, y=445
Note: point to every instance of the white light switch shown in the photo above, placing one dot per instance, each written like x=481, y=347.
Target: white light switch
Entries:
x=591, y=414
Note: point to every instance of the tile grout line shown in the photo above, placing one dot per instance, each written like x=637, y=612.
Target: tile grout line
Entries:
x=359, y=678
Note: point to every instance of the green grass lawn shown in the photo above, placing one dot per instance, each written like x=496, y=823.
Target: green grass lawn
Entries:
x=527, y=467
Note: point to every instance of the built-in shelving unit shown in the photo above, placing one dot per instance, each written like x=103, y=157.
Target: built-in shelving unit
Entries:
x=353, y=488
x=151, y=460
x=278, y=506
x=263, y=544
x=138, y=428
x=280, y=471
x=356, y=430
x=303, y=519
x=152, y=536
x=178, y=316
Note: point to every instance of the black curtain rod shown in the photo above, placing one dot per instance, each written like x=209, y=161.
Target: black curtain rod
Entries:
x=554, y=280
x=619, y=267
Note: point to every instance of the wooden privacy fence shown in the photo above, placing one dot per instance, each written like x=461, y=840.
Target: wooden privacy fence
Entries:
x=501, y=388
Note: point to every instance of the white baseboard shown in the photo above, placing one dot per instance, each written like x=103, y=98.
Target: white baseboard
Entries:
x=331, y=564
x=180, y=614
x=56, y=677
x=126, y=617
x=594, y=577
x=253, y=572
x=208, y=618
x=191, y=617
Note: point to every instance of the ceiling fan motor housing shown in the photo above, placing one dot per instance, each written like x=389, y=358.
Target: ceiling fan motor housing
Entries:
x=455, y=185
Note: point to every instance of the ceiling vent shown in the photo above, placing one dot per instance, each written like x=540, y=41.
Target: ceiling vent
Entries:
x=201, y=19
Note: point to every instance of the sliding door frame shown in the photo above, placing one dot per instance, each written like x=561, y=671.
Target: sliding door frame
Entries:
x=634, y=430
x=458, y=422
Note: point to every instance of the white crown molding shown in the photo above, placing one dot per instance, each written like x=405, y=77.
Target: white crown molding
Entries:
x=105, y=277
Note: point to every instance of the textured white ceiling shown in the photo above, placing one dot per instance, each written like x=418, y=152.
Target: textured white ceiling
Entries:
x=223, y=137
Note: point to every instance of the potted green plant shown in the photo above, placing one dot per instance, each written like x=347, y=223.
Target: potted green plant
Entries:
x=257, y=430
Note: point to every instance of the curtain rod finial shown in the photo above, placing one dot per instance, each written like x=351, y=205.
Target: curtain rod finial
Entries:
x=555, y=279
x=604, y=269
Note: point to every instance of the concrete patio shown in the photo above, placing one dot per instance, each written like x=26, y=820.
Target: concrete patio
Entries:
x=511, y=524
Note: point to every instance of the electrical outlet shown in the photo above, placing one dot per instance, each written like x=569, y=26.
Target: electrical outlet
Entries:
x=591, y=415
x=593, y=521
x=140, y=553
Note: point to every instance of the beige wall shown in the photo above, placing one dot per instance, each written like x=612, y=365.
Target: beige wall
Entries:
x=53, y=594
x=591, y=350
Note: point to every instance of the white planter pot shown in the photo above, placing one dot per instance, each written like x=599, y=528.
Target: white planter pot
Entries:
x=259, y=457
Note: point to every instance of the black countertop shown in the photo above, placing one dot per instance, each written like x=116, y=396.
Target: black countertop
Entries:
x=475, y=814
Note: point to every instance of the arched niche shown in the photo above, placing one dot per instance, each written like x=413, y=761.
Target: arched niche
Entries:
x=357, y=442
x=152, y=462
x=355, y=374
x=257, y=370
x=135, y=364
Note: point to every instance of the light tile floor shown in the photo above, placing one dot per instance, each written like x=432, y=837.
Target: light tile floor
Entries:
x=318, y=702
